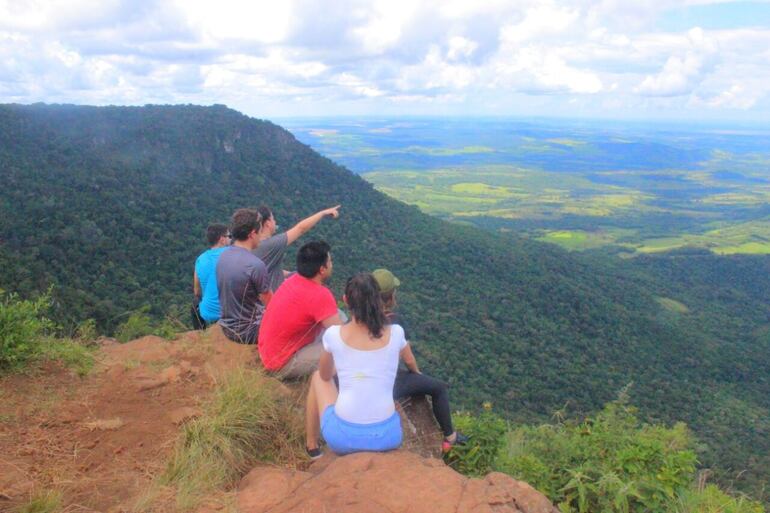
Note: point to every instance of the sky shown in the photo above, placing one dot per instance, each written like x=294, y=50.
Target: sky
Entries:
x=621, y=59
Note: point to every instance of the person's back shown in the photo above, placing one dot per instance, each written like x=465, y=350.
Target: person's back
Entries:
x=366, y=376
x=206, y=306
x=242, y=281
x=293, y=319
x=290, y=335
x=364, y=354
x=271, y=251
x=206, y=270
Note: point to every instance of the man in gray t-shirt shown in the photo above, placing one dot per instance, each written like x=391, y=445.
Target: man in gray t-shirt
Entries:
x=242, y=280
x=272, y=249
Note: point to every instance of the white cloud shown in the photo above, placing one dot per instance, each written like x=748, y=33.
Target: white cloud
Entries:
x=46, y=15
x=266, y=21
x=460, y=47
x=357, y=85
x=494, y=56
x=736, y=97
x=435, y=72
x=679, y=76
x=384, y=24
x=538, y=23
x=682, y=73
x=535, y=70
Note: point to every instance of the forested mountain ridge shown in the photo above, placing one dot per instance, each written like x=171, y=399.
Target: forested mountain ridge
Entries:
x=109, y=205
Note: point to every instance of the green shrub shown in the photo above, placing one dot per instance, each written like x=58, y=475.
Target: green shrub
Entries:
x=72, y=353
x=86, y=331
x=25, y=336
x=486, y=438
x=140, y=323
x=608, y=463
x=22, y=325
x=713, y=500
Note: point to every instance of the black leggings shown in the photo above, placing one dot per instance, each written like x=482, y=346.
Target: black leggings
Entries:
x=410, y=383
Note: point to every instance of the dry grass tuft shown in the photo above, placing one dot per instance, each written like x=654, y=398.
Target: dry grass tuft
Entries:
x=45, y=501
x=249, y=419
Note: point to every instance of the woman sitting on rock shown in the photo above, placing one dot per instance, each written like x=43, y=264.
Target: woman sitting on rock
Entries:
x=409, y=380
x=365, y=353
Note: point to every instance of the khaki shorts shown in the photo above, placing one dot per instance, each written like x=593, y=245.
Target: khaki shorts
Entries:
x=305, y=361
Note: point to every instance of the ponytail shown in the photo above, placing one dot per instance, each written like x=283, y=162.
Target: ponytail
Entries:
x=365, y=303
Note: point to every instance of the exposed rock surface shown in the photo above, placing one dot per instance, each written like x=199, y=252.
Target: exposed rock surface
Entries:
x=398, y=481
x=421, y=431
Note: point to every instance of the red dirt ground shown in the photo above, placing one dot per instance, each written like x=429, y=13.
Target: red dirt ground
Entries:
x=101, y=439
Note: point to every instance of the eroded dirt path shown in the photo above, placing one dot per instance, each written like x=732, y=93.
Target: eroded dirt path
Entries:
x=101, y=440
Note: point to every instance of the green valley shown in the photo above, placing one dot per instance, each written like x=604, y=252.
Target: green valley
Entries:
x=633, y=188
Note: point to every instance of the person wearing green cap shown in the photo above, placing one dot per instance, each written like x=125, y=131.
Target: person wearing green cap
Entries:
x=410, y=381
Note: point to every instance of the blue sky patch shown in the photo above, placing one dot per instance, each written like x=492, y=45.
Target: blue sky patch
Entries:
x=722, y=16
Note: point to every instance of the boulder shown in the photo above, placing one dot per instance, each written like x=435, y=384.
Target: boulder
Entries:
x=398, y=481
x=421, y=431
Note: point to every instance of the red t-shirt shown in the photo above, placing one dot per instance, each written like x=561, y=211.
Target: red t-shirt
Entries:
x=293, y=319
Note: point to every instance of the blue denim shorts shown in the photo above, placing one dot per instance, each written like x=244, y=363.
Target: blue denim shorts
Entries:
x=344, y=437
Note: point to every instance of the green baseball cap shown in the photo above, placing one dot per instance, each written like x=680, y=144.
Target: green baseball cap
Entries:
x=386, y=280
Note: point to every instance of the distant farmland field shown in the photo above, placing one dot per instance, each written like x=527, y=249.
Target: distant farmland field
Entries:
x=635, y=188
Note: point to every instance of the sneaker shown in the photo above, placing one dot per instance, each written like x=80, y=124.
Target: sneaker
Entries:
x=460, y=439
x=314, y=454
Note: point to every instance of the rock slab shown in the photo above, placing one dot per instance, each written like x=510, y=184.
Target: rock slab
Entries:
x=394, y=482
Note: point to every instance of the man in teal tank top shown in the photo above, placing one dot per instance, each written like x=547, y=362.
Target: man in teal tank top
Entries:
x=205, y=278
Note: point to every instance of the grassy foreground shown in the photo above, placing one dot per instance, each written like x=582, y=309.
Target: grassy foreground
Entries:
x=249, y=419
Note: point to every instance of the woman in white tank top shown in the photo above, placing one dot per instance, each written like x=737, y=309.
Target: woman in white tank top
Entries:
x=361, y=416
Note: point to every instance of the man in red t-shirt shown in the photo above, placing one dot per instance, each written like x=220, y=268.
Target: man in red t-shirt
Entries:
x=297, y=315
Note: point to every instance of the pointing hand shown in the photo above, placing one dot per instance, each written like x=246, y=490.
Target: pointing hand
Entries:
x=332, y=212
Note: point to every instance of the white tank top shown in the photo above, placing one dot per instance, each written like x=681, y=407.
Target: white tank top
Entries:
x=366, y=377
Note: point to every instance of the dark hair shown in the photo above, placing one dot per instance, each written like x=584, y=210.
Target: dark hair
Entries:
x=244, y=220
x=265, y=213
x=365, y=303
x=311, y=257
x=215, y=232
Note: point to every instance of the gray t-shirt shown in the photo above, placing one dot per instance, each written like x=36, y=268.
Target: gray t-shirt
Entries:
x=271, y=252
x=241, y=278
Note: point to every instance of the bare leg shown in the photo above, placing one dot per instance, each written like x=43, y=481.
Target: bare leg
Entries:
x=321, y=395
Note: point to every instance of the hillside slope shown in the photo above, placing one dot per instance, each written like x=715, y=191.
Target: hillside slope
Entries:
x=109, y=205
